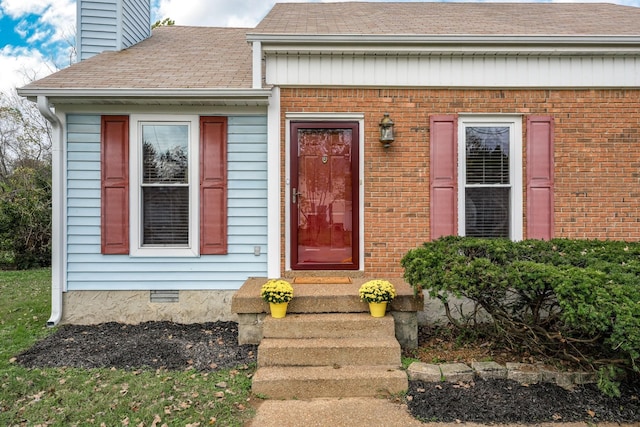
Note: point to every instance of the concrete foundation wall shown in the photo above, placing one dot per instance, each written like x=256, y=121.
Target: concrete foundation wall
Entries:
x=93, y=307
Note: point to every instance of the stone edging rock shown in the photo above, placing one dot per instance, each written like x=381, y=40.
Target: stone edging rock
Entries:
x=523, y=373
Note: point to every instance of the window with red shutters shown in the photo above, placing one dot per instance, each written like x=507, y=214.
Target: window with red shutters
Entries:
x=162, y=226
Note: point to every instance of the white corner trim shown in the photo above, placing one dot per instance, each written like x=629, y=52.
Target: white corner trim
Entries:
x=257, y=65
x=274, y=224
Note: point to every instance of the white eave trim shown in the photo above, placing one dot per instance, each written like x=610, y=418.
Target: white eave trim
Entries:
x=454, y=44
x=151, y=96
x=391, y=39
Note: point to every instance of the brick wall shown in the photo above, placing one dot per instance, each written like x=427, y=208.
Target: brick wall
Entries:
x=597, y=158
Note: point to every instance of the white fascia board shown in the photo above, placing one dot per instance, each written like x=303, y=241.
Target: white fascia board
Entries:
x=254, y=96
x=451, y=44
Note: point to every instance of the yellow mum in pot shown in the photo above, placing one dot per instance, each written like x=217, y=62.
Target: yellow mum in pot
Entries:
x=277, y=291
x=377, y=291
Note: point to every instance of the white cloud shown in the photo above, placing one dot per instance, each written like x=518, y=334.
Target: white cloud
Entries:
x=223, y=13
x=19, y=8
x=54, y=16
x=19, y=66
x=216, y=13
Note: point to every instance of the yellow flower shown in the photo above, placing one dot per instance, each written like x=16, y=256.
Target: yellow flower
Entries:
x=276, y=291
x=377, y=290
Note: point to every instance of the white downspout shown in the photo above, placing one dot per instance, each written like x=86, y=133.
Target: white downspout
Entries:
x=57, y=253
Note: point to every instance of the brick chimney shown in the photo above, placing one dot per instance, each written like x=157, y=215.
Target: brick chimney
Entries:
x=111, y=25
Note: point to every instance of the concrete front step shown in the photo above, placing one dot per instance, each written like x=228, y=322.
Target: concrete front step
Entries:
x=328, y=325
x=329, y=351
x=326, y=381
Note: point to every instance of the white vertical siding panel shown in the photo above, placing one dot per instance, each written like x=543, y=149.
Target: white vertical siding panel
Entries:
x=455, y=70
x=247, y=212
x=337, y=73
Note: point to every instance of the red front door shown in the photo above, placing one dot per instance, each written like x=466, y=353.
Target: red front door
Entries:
x=324, y=196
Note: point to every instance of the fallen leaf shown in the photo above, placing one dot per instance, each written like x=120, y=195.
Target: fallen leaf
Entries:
x=156, y=420
x=591, y=413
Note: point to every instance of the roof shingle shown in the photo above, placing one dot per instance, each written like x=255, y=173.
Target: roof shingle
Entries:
x=431, y=18
x=172, y=58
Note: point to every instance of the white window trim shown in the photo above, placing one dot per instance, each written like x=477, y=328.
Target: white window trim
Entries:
x=514, y=122
x=135, y=179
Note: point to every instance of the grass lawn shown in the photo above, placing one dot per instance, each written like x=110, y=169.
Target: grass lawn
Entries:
x=101, y=397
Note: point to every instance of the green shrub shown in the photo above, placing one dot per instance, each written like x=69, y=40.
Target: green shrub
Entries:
x=572, y=299
x=25, y=217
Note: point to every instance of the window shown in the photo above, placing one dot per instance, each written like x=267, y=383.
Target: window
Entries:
x=490, y=176
x=164, y=190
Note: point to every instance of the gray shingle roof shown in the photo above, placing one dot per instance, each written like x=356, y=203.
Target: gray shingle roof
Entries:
x=220, y=58
x=172, y=58
x=427, y=18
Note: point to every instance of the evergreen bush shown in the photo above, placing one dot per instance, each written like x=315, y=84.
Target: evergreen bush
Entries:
x=577, y=300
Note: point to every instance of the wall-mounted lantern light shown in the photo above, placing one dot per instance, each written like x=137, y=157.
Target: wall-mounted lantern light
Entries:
x=386, y=131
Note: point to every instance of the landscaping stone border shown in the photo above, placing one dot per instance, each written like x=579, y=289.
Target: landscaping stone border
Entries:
x=523, y=373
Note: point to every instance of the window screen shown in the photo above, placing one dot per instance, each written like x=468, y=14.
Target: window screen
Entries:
x=165, y=185
x=487, y=186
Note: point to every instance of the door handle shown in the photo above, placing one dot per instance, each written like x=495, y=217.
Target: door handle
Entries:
x=294, y=195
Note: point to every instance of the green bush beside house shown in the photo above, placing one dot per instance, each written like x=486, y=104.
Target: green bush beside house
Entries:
x=577, y=300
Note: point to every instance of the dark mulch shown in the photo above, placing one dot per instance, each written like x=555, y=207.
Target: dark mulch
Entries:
x=203, y=346
x=211, y=346
x=506, y=401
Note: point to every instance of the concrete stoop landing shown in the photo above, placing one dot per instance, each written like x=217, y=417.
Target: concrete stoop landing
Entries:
x=325, y=297
x=328, y=345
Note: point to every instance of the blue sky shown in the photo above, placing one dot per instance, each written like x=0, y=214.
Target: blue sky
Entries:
x=37, y=36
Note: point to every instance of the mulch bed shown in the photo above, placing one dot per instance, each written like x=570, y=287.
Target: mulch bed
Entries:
x=211, y=346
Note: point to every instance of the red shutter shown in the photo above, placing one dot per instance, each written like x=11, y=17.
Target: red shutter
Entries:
x=114, y=158
x=540, y=177
x=444, y=179
x=213, y=185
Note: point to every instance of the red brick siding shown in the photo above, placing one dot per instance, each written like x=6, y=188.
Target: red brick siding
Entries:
x=597, y=158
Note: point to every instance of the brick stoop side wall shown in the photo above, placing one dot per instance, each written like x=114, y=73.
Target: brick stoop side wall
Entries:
x=597, y=158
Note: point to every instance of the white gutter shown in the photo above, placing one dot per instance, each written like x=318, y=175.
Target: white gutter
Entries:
x=392, y=45
x=57, y=253
x=124, y=93
x=391, y=39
